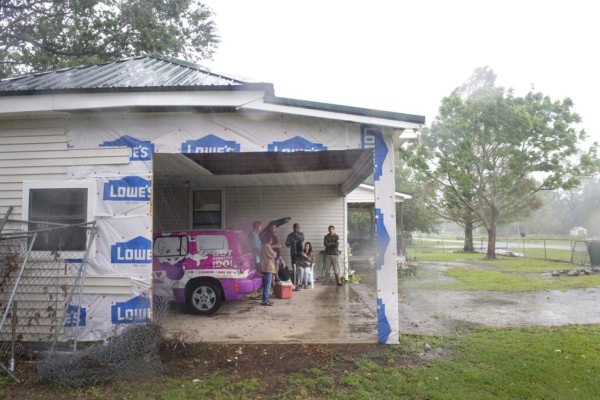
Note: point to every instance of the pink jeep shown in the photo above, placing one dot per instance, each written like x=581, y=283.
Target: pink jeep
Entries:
x=203, y=268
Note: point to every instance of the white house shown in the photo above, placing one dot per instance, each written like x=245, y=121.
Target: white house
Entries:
x=150, y=144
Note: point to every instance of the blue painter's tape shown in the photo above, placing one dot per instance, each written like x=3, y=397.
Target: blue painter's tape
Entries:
x=383, y=238
x=371, y=137
x=384, y=329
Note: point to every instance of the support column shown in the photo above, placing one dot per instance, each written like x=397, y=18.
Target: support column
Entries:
x=385, y=231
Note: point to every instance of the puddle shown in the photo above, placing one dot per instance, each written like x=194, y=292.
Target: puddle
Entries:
x=446, y=312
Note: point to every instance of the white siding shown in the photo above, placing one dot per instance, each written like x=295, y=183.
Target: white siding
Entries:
x=366, y=194
x=33, y=154
x=361, y=195
x=107, y=285
x=313, y=207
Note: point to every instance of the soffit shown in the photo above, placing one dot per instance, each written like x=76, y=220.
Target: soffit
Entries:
x=343, y=168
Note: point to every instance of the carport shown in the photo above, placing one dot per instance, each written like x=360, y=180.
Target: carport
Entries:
x=319, y=315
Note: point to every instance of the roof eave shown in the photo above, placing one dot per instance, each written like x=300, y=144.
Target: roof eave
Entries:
x=336, y=108
x=261, y=86
x=363, y=116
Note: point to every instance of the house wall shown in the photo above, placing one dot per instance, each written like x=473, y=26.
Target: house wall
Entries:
x=313, y=207
x=38, y=151
x=114, y=151
x=361, y=195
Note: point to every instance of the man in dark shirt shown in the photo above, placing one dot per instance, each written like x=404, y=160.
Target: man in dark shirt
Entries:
x=295, y=241
x=331, y=241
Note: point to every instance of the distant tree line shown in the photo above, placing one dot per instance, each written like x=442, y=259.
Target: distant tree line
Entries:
x=563, y=210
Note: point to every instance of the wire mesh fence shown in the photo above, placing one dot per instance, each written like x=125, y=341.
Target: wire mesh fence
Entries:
x=40, y=302
x=37, y=293
x=125, y=353
x=562, y=250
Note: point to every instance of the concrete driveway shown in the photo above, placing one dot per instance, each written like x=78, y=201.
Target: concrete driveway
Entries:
x=325, y=314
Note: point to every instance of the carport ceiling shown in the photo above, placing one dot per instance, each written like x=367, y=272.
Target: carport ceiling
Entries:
x=344, y=168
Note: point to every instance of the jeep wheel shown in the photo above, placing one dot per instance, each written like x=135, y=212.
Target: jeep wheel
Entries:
x=204, y=298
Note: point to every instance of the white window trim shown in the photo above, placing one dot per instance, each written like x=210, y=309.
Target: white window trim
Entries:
x=90, y=185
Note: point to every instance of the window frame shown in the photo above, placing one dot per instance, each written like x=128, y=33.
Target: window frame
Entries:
x=181, y=238
x=90, y=185
x=193, y=209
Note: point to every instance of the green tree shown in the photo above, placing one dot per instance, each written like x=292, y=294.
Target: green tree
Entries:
x=415, y=213
x=450, y=207
x=491, y=144
x=38, y=35
x=564, y=209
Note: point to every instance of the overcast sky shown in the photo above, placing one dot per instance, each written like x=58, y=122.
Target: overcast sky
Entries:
x=405, y=56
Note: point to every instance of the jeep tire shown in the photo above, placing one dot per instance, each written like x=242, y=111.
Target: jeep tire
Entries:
x=203, y=297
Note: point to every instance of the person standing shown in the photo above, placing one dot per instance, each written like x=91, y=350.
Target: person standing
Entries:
x=256, y=244
x=295, y=241
x=331, y=241
x=269, y=236
x=268, y=267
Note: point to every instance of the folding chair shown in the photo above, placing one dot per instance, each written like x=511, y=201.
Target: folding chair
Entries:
x=308, y=274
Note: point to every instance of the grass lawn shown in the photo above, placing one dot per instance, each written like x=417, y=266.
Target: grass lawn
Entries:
x=529, y=363
x=526, y=363
x=504, y=274
x=479, y=363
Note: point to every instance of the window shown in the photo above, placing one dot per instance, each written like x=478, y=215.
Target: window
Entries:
x=46, y=202
x=170, y=246
x=211, y=244
x=207, y=209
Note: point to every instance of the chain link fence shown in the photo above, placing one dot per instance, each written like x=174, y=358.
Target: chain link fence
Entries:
x=40, y=302
x=125, y=353
x=562, y=250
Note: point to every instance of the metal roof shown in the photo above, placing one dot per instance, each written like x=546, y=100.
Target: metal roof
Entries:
x=133, y=73
x=153, y=73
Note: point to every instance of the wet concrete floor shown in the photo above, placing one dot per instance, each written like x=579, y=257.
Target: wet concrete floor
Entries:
x=325, y=314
